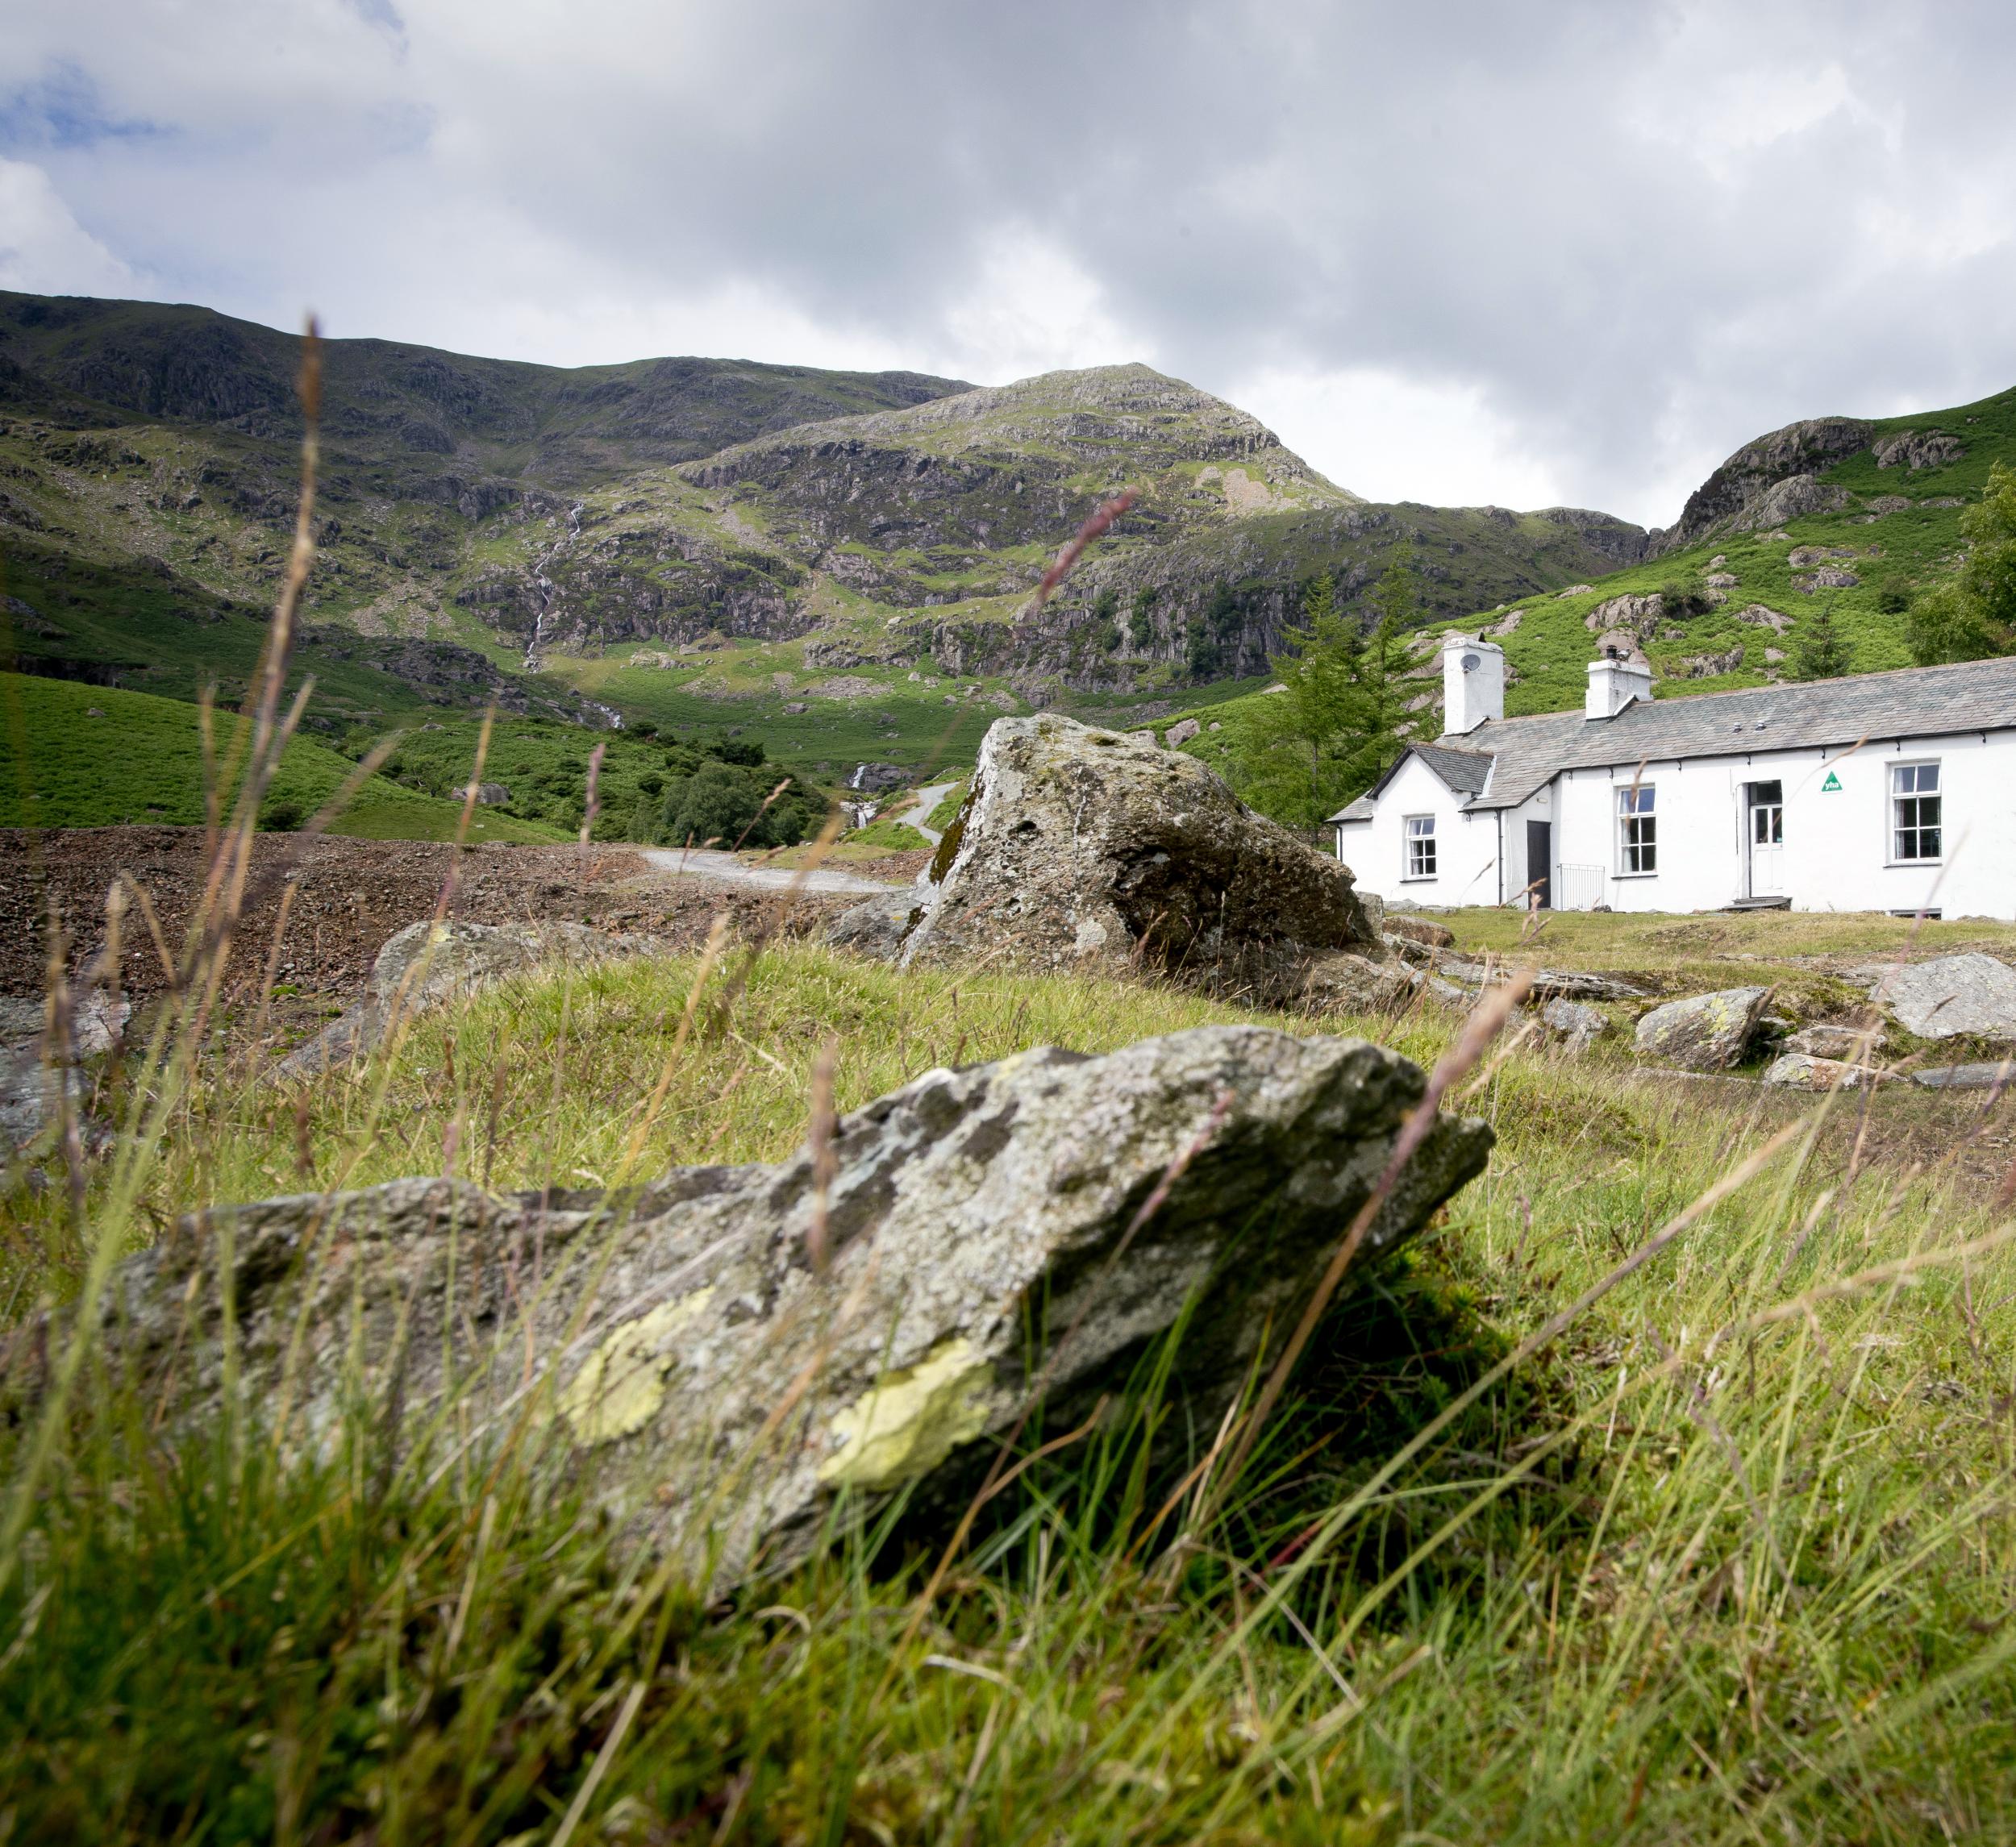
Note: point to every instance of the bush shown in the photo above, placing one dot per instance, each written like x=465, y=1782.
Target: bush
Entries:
x=747, y=751
x=281, y=814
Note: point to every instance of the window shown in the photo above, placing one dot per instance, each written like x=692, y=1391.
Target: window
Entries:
x=1767, y=814
x=1637, y=830
x=1420, y=847
x=1915, y=828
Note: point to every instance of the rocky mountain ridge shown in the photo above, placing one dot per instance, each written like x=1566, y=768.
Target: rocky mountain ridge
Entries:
x=546, y=519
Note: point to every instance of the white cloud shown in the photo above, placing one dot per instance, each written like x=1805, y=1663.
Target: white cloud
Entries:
x=1464, y=253
x=43, y=250
x=1391, y=438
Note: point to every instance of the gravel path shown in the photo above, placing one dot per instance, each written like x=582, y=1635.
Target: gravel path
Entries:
x=710, y=864
x=927, y=800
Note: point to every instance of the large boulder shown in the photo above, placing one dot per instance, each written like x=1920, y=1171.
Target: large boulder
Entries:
x=1079, y=847
x=875, y=927
x=726, y=1350
x=1974, y=995
x=427, y=964
x=1704, y=1032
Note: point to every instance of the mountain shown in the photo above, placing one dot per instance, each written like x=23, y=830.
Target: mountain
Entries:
x=656, y=536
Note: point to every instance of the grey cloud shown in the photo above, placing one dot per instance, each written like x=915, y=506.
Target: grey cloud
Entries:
x=1573, y=209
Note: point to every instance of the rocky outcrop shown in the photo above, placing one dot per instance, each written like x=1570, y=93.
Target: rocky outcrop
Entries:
x=1951, y=996
x=1704, y=1032
x=728, y=1350
x=1425, y=931
x=426, y=964
x=1080, y=847
x=1919, y=449
x=1768, y=482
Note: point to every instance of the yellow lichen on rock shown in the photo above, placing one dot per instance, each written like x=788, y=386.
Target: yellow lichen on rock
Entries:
x=913, y=1418
x=620, y=1389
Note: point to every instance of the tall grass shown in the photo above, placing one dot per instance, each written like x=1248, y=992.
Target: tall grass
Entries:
x=1727, y=1556
x=1661, y=1492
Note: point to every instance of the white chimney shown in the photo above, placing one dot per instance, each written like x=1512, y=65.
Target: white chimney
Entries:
x=1472, y=682
x=1615, y=679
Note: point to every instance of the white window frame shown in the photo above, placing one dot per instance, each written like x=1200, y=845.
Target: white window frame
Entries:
x=1428, y=837
x=1894, y=799
x=1645, y=817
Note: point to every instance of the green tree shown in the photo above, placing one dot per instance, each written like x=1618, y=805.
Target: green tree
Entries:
x=1972, y=616
x=1822, y=654
x=1325, y=737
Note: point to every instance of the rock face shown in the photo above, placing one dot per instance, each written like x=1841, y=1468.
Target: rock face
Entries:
x=1919, y=449
x=1955, y=995
x=983, y=1243
x=1767, y=481
x=1704, y=1032
x=1081, y=847
x=428, y=963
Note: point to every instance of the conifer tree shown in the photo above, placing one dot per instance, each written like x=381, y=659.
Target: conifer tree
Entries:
x=1823, y=653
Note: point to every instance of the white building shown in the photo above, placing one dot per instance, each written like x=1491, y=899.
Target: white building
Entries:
x=1884, y=792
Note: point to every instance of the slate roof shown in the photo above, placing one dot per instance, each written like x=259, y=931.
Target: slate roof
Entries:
x=1908, y=702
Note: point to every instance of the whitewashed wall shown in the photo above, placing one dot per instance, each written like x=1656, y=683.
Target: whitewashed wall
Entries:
x=1466, y=863
x=1836, y=855
x=1837, y=842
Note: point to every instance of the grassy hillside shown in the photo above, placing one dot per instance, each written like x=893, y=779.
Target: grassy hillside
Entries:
x=476, y=515
x=95, y=756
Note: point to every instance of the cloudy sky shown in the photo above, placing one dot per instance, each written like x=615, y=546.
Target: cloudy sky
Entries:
x=1460, y=251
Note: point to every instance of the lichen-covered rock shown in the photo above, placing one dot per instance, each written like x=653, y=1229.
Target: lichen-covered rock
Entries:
x=725, y=1352
x=428, y=963
x=1080, y=847
x=32, y=1080
x=1704, y=1032
x=1952, y=996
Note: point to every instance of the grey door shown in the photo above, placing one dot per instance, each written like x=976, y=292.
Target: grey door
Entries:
x=1540, y=864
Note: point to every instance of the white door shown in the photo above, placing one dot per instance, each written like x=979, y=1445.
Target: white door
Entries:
x=1765, y=833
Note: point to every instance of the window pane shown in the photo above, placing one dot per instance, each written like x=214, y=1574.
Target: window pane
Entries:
x=1928, y=775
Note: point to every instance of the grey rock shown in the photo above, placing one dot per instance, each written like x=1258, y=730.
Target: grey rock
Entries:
x=32, y=1082
x=1703, y=1032
x=1344, y=983
x=1829, y=1039
x=877, y=927
x=1424, y=930
x=1919, y=449
x=426, y=964
x=1991, y=1075
x=1802, y=1070
x=877, y=779
x=1635, y=617
x=492, y=794
x=1762, y=616
x=984, y=1248
x=1180, y=733
x=1546, y=983
x=1089, y=848
x=1794, y=499
x=1577, y=1025
x=1952, y=994
x=1828, y=577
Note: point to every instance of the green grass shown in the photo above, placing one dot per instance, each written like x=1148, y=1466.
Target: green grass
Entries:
x=140, y=761
x=1730, y=1559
